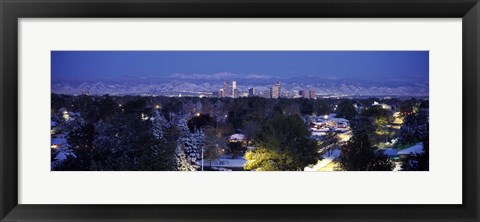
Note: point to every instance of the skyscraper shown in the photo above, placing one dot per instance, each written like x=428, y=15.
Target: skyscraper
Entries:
x=305, y=94
x=234, y=88
x=221, y=93
x=266, y=94
x=225, y=89
x=275, y=91
x=251, y=92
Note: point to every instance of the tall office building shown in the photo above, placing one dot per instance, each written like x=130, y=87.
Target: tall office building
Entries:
x=234, y=88
x=221, y=93
x=251, y=92
x=266, y=94
x=275, y=91
x=305, y=94
x=225, y=89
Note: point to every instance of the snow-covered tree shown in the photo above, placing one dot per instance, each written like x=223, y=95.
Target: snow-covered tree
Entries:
x=189, y=145
x=414, y=128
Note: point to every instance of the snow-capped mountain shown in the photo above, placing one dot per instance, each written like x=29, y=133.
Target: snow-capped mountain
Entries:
x=199, y=83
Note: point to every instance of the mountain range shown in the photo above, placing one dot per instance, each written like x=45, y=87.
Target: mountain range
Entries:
x=203, y=83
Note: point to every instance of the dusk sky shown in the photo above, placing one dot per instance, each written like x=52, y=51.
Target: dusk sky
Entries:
x=409, y=66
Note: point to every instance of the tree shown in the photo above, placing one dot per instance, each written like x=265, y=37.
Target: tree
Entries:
x=408, y=106
x=306, y=106
x=172, y=105
x=235, y=119
x=359, y=154
x=80, y=139
x=418, y=161
x=214, y=146
x=251, y=129
x=381, y=118
x=346, y=110
x=165, y=151
x=235, y=149
x=284, y=143
x=321, y=107
x=414, y=128
x=329, y=139
x=53, y=154
x=126, y=143
x=200, y=121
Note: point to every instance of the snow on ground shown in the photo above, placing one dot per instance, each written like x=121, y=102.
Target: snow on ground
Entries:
x=327, y=158
x=391, y=152
x=58, y=141
x=224, y=162
x=398, y=166
x=417, y=148
x=61, y=156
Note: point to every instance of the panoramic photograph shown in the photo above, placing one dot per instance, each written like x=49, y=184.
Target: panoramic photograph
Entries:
x=239, y=111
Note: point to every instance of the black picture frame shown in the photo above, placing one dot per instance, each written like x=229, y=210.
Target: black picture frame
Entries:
x=11, y=10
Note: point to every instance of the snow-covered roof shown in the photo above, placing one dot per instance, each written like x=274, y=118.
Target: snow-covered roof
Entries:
x=417, y=148
x=390, y=152
x=339, y=119
x=319, y=133
x=58, y=141
x=340, y=129
x=237, y=136
x=320, y=130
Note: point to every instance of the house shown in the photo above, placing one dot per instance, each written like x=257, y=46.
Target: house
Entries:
x=237, y=138
x=329, y=122
x=382, y=105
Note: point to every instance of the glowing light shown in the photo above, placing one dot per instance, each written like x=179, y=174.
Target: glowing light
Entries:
x=325, y=117
x=66, y=116
x=54, y=146
x=157, y=106
x=197, y=114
